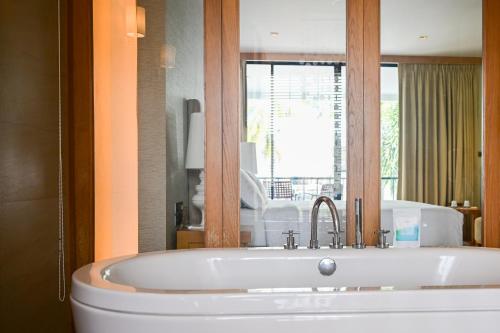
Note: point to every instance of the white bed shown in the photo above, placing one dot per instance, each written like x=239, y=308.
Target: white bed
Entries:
x=441, y=226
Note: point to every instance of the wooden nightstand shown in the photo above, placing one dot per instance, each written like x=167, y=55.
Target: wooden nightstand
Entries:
x=192, y=239
x=470, y=215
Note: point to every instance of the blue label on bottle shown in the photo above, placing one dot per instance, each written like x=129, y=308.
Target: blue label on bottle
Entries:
x=408, y=234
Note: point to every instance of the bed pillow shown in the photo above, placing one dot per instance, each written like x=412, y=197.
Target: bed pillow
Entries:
x=249, y=192
x=259, y=184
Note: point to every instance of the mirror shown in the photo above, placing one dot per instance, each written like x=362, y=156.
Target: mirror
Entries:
x=431, y=120
x=293, y=102
x=171, y=122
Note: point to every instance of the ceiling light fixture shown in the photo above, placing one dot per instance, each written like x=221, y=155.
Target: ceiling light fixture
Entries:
x=274, y=34
x=423, y=37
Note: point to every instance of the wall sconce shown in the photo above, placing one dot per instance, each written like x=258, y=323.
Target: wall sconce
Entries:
x=141, y=22
x=136, y=22
x=167, y=56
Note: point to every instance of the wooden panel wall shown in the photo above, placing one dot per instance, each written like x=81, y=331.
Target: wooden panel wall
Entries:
x=222, y=198
x=491, y=130
x=363, y=115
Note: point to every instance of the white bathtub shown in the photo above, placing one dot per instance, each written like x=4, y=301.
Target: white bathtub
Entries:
x=273, y=290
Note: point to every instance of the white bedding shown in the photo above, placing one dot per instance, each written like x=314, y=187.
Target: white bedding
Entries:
x=441, y=226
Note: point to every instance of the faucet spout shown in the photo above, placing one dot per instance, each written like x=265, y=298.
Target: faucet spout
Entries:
x=314, y=244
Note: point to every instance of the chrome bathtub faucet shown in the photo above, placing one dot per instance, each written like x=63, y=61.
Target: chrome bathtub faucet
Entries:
x=358, y=207
x=382, y=239
x=336, y=243
x=290, y=240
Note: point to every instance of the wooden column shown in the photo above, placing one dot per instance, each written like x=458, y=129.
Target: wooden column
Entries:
x=222, y=198
x=371, y=121
x=231, y=123
x=355, y=128
x=363, y=115
x=491, y=129
x=213, y=123
x=79, y=133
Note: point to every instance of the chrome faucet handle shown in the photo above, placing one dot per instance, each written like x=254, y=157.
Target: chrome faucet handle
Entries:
x=382, y=239
x=290, y=240
x=336, y=242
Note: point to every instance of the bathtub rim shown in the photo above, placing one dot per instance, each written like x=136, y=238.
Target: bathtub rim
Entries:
x=106, y=295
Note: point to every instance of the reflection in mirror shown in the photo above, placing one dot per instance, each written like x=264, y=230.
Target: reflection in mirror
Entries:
x=171, y=123
x=293, y=99
x=431, y=122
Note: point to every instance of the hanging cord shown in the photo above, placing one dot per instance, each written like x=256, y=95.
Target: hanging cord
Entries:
x=60, y=252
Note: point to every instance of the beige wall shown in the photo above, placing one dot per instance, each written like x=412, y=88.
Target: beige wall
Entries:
x=115, y=102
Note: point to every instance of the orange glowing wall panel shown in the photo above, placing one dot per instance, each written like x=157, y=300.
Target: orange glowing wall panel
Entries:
x=115, y=117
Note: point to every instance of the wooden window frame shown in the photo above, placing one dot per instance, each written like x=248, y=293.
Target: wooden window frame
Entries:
x=222, y=118
x=363, y=118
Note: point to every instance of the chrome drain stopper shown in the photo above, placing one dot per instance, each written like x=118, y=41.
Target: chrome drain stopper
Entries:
x=327, y=266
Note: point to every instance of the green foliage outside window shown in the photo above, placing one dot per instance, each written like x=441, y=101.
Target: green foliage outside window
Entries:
x=389, y=128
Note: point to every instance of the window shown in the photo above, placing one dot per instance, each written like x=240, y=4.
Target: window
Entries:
x=295, y=113
x=389, y=130
x=296, y=116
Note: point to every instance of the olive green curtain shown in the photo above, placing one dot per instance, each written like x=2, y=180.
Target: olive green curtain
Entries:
x=440, y=125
